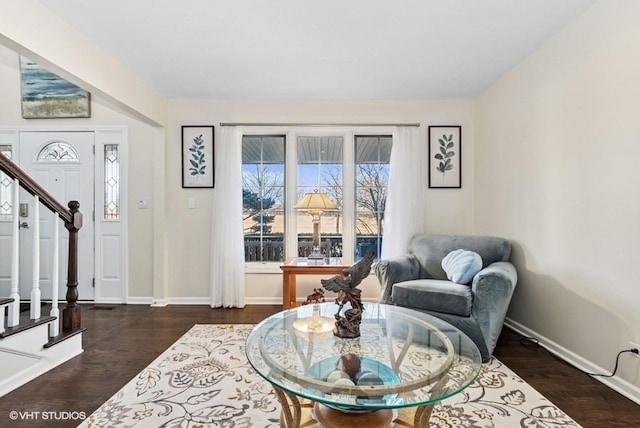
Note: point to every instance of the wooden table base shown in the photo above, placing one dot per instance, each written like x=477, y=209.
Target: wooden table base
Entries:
x=296, y=414
x=330, y=418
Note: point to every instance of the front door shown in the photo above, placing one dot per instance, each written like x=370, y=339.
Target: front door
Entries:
x=63, y=164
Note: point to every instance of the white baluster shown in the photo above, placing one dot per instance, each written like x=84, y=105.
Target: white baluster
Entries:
x=13, y=318
x=54, y=327
x=35, y=289
x=2, y=312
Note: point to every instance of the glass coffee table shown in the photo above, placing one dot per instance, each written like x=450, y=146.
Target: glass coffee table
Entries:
x=403, y=359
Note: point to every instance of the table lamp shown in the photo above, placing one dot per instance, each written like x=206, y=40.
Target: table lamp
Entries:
x=315, y=203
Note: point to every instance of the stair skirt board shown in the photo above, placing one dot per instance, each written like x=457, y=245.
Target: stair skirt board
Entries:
x=23, y=356
x=16, y=369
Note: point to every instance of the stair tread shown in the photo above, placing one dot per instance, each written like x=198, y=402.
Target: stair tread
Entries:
x=6, y=300
x=63, y=336
x=25, y=325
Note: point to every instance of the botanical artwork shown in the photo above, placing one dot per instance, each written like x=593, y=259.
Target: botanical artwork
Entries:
x=198, y=164
x=205, y=380
x=446, y=153
x=197, y=156
x=46, y=95
x=444, y=156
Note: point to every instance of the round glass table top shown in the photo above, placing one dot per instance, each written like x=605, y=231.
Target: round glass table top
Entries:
x=402, y=358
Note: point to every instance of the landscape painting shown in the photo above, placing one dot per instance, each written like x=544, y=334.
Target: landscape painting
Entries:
x=46, y=95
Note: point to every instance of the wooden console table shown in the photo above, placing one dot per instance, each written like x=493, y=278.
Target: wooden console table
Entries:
x=299, y=266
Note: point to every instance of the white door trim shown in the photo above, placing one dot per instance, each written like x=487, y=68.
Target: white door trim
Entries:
x=111, y=284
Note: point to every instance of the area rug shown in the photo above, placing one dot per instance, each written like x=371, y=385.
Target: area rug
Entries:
x=204, y=380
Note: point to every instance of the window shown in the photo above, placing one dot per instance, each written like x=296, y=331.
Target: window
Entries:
x=57, y=151
x=373, y=154
x=5, y=189
x=111, y=182
x=320, y=171
x=263, y=172
x=351, y=170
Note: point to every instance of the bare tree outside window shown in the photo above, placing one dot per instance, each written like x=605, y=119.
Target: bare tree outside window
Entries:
x=373, y=154
x=263, y=197
x=319, y=166
x=371, y=197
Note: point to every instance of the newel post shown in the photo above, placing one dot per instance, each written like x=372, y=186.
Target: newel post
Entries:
x=71, y=314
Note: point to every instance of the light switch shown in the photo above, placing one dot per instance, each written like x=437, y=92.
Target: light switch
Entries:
x=143, y=203
x=191, y=203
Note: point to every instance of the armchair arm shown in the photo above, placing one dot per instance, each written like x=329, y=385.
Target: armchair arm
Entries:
x=394, y=270
x=492, y=289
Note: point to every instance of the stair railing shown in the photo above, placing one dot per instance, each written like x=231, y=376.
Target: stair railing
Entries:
x=72, y=219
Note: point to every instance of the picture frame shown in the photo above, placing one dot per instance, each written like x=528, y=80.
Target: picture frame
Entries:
x=45, y=95
x=445, y=157
x=197, y=156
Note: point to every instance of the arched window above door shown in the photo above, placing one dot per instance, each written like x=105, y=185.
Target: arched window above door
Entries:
x=57, y=151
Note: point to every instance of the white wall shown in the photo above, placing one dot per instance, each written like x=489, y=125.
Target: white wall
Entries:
x=448, y=210
x=553, y=167
x=163, y=250
x=142, y=141
x=557, y=155
x=31, y=29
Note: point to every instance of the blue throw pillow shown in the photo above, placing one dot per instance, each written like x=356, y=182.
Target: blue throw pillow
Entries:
x=461, y=266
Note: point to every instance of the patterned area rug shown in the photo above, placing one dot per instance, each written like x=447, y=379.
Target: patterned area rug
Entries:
x=204, y=380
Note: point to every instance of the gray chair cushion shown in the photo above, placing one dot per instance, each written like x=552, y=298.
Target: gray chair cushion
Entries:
x=431, y=249
x=434, y=295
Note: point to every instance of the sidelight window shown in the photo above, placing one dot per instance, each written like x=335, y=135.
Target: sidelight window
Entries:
x=6, y=187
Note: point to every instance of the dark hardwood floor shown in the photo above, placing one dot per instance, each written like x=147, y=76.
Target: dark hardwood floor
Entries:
x=121, y=340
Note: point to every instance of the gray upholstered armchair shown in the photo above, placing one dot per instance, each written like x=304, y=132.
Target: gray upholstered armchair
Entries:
x=417, y=280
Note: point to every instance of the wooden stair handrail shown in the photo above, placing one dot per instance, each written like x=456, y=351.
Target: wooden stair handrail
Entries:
x=72, y=217
x=27, y=183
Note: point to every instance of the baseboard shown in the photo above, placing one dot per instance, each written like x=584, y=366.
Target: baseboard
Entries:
x=626, y=388
x=142, y=301
x=263, y=301
x=159, y=303
x=206, y=301
x=278, y=300
x=108, y=301
x=196, y=301
x=188, y=301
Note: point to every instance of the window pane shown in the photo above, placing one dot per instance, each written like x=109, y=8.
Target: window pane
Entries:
x=5, y=188
x=320, y=170
x=263, y=197
x=57, y=151
x=373, y=154
x=111, y=182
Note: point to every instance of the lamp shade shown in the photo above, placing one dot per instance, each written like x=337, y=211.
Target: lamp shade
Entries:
x=316, y=202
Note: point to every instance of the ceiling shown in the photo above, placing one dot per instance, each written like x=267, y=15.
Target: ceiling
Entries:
x=330, y=49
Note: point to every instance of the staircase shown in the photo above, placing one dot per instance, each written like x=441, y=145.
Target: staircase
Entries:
x=32, y=343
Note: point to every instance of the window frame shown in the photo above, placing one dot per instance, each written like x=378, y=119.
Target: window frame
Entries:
x=291, y=133
x=266, y=135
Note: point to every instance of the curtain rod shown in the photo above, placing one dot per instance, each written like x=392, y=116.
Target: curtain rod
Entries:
x=316, y=124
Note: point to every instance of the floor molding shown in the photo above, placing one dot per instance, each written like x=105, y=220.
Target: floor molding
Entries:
x=626, y=388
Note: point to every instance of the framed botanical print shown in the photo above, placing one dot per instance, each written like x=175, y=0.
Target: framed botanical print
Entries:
x=445, y=165
x=197, y=156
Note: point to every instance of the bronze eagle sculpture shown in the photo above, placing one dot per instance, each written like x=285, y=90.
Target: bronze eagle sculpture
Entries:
x=348, y=326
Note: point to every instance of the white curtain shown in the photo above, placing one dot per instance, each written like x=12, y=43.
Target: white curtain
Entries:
x=404, y=214
x=227, y=239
